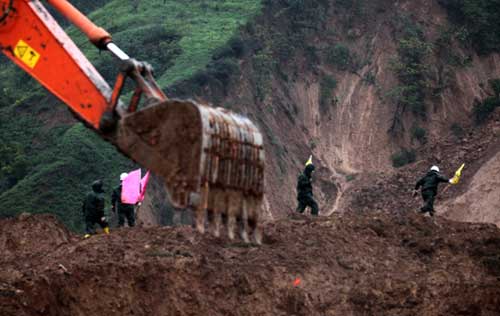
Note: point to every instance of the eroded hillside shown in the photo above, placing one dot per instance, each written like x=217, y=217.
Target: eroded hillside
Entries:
x=362, y=85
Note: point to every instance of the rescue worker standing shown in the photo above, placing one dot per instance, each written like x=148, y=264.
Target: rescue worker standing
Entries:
x=305, y=196
x=429, y=184
x=93, y=209
x=125, y=211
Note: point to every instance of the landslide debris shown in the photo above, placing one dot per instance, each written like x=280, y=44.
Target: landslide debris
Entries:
x=348, y=264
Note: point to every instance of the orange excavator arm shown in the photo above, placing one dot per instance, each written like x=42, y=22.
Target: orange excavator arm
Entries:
x=211, y=159
x=32, y=39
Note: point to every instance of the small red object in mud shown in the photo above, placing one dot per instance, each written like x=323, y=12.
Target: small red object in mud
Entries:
x=296, y=282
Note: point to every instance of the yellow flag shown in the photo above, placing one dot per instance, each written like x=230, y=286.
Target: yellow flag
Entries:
x=458, y=174
x=310, y=161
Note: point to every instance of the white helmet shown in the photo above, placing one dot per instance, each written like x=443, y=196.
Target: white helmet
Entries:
x=123, y=176
x=435, y=168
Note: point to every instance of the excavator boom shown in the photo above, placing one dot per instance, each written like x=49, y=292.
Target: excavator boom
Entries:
x=211, y=159
x=32, y=39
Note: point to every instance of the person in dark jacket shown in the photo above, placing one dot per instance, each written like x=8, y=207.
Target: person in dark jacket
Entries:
x=93, y=209
x=305, y=196
x=429, y=186
x=125, y=211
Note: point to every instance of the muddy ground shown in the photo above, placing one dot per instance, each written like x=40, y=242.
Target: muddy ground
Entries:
x=351, y=264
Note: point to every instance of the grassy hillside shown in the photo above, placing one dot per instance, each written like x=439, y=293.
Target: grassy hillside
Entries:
x=47, y=162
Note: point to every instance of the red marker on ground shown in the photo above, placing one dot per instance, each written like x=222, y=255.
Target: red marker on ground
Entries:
x=296, y=282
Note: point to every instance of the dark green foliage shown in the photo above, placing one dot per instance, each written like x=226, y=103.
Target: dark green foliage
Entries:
x=63, y=173
x=480, y=20
x=307, y=16
x=419, y=134
x=13, y=164
x=412, y=71
x=404, y=157
x=495, y=86
x=339, y=56
x=328, y=84
x=263, y=65
x=370, y=78
x=483, y=109
x=235, y=48
x=223, y=69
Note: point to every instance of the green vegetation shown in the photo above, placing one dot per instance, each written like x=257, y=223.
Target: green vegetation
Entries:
x=403, y=157
x=199, y=26
x=327, y=85
x=419, y=134
x=339, y=56
x=48, y=165
x=477, y=21
x=411, y=68
x=482, y=110
x=13, y=164
x=263, y=65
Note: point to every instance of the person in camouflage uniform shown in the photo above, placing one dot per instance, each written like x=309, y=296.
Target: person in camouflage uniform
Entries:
x=305, y=195
x=93, y=209
x=125, y=211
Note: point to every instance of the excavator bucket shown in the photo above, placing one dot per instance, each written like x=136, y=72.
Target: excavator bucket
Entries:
x=211, y=159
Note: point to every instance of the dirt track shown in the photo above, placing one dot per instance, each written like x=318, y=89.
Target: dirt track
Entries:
x=372, y=264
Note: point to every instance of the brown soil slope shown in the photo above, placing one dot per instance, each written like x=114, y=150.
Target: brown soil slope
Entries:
x=371, y=264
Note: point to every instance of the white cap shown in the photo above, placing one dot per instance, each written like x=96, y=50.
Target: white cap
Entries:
x=435, y=168
x=123, y=176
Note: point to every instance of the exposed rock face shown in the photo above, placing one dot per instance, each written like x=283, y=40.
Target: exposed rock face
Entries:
x=349, y=136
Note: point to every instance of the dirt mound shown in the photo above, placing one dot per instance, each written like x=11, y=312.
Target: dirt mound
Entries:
x=31, y=236
x=477, y=148
x=376, y=264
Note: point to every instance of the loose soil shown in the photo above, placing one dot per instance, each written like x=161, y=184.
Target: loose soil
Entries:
x=370, y=263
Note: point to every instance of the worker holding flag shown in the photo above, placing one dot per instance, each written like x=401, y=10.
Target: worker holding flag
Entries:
x=429, y=186
x=127, y=195
x=305, y=196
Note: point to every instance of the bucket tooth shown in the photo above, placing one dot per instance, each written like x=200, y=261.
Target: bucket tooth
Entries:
x=216, y=223
x=200, y=219
x=244, y=227
x=231, y=226
x=257, y=235
x=233, y=211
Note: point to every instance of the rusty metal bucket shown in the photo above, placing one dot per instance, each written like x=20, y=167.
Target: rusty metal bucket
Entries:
x=212, y=161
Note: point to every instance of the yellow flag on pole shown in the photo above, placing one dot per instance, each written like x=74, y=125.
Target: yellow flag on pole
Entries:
x=310, y=161
x=458, y=174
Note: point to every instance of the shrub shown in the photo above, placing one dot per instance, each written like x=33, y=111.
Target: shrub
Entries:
x=235, y=47
x=483, y=110
x=480, y=18
x=404, y=157
x=327, y=85
x=13, y=164
x=339, y=56
x=419, y=134
x=495, y=85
